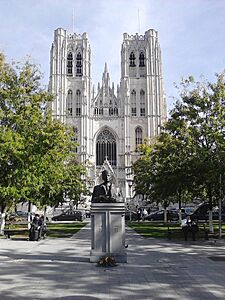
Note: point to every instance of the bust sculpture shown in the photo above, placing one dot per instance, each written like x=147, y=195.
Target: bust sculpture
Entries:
x=104, y=193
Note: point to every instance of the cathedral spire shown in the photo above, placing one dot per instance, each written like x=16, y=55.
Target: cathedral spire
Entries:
x=106, y=68
x=105, y=76
x=106, y=81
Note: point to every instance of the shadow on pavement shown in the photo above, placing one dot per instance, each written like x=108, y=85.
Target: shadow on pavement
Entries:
x=156, y=270
x=50, y=257
x=77, y=297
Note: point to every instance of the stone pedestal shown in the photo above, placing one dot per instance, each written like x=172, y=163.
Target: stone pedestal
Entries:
x=108, y=231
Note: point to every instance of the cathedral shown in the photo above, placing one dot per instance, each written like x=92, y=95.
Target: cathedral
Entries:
x=112, y=121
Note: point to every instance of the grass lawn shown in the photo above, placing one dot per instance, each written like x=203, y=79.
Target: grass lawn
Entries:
x=169, y=230
x=56, y=230
x=150, y=229
x=63, y=230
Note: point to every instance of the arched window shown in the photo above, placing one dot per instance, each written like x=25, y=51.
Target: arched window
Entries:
x=78, y=103
x=138, y=136
x=106, y=147
x=70, y=102
x=111, y=112
x=116, y=111
x=70, y=64
x=133, y=103
x=141, y=59
x=75, y=138
x=100, y=111
x=142, y=103
x=132, y=59
x=96, y=110
x=79, y=64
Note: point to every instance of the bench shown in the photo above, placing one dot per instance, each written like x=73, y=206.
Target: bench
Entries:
x=9, y=232
x=202, y=233
x=10, y=223
x=20, y=228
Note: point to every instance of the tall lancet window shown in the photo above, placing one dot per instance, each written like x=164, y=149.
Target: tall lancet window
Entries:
x=133, y=104
x=132, y=59
x=70, y=64
x=78, y=103
x=138, y=137
x=70, y=103
x=79, y=64
x=142, y=103
x=75, y=138
x=106, y=148
x=141, y=59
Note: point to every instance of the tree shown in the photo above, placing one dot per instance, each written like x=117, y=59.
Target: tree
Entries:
x=35, y=150
x=158, y=174
x=188, y=157
x=203, y=110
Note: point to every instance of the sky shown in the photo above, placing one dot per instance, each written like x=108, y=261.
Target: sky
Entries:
x=191, y=33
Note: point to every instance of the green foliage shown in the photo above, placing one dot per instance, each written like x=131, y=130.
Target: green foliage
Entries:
x=187, y=159
x=35, y=151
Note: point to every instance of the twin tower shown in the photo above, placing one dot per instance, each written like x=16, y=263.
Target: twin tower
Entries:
x=111, y=122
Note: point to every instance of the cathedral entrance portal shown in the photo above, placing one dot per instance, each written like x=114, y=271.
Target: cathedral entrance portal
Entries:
x=105, y=148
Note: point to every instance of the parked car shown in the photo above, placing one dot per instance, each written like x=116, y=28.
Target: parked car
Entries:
x=201, y=212
x=131, y=214
x=19, y=216
x=70, y=215
x=172, y=215
x=186, y=211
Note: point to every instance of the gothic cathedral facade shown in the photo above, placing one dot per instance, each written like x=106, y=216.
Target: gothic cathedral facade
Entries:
x=111, y=122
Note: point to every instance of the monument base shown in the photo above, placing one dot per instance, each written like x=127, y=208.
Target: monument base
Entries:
x=108, y=232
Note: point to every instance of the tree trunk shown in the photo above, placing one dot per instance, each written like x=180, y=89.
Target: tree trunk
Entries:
x=179, y=211
x=165, y=215
x=45, y=216
x=211, y=229
x=3, y=215
x=29, y=216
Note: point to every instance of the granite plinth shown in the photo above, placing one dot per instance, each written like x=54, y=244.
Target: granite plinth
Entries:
x=108, y=231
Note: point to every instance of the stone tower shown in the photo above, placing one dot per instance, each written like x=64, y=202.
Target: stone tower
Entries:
x=142, y=91
x=70, y=83
x=109, y=123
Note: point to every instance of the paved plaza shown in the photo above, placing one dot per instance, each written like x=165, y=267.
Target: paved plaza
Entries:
x=156, y=270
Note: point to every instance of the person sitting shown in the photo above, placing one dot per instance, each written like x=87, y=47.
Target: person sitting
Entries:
x=191, y=226
x=41, y=227
x=103, y=193
x=34, y=230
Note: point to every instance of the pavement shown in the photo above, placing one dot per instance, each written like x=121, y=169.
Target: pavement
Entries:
x=156, y=270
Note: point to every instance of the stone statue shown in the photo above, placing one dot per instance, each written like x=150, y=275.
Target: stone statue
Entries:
x=104, y=192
